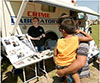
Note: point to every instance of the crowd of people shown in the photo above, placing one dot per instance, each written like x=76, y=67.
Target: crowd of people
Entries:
x=66, y=48
x=70, y=53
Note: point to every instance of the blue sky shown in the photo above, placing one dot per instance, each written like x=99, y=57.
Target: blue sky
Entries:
x=93, y=4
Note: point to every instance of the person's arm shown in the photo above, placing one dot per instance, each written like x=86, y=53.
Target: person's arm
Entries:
x=86, y=36
x=55, y=51
x=34, y=38
x=74, y=67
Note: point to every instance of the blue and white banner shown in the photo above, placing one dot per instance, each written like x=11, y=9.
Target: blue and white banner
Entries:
x=28, y=20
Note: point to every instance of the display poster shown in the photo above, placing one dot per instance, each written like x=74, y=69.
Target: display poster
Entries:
x=20, y=50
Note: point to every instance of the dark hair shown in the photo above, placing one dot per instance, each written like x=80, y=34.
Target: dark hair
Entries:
x=61, y=18
x=35, y=18
x=68, y=25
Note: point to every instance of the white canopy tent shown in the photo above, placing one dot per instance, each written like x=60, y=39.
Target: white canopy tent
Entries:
x=56, y=3
x=64, y=4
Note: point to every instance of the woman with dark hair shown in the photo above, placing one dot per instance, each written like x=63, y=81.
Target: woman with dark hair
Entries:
x=37, y=34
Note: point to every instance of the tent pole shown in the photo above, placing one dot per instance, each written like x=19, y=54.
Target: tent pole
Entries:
x=20, y=13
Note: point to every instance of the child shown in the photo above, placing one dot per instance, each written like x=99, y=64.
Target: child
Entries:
x=65, y=51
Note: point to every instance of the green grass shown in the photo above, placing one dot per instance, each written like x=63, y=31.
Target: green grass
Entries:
x=95, y=34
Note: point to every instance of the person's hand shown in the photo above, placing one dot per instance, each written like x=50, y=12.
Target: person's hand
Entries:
x=30, y=37
x=43, y=35
x=77, y=31
x=60, y=72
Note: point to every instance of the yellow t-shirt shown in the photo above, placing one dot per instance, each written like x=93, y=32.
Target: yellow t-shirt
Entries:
x=66, y=51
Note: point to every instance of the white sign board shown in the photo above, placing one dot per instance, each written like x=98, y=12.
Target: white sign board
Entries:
x=20, y=50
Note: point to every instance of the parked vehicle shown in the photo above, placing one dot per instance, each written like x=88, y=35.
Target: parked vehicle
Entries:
x=16, y=17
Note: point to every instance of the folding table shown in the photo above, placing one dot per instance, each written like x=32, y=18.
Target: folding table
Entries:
x=21, y=53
